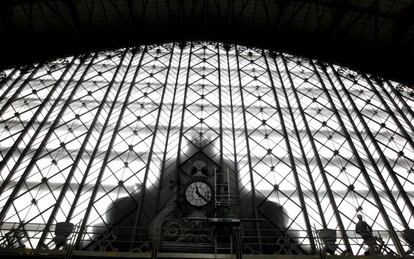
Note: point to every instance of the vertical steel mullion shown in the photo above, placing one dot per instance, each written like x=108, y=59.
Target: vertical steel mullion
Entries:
x=19, y=89
x=252, y=186
x=236, y=231
x=232, y=122
x=291, y=157
x=377, y=199
x=41, y=146
x=384, y=103
x=396, y=93
x=33, y=118
x=382, y=155
x=305, y=159
x=168, y=133
x=319, y=162
x=150, y=152
x=28, y=146
x=108, y=151
x=220, y=112
x=78, y=156
x=104, y=126
x=182, y=113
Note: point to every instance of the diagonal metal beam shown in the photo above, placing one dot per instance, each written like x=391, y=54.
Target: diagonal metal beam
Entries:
x=319, y=160
x=168, y=135
x=379, y=150
x=302, y=149
x=74, y=167
x=32, y=121
x=17, y=91
x=358, y=158
x=150, y=153
x=38, y=152
x=291, y=157
x=110, y=146
x=249, y=155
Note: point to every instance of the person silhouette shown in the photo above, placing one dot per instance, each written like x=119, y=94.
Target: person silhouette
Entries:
x=365, y=231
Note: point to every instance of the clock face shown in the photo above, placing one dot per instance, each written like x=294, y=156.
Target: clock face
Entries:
x=198, y=193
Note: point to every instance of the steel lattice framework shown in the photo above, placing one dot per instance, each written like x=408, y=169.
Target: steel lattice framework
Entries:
x=322, y=141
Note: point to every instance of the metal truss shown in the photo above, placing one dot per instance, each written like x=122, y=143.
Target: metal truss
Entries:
x=362, y=30
x=324, y=143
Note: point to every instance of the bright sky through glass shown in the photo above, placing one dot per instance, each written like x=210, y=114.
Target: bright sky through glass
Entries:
x=322, y=141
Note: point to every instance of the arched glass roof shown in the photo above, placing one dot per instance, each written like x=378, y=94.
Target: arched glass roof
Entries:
x=107, y=140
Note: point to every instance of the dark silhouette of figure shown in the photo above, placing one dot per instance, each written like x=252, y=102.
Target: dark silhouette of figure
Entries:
x=328, y=237
x=174, y=222
x=62, y=232
x=365, y=231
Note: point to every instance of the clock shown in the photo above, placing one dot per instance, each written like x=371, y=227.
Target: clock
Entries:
x=198, y=193
x=199, y=166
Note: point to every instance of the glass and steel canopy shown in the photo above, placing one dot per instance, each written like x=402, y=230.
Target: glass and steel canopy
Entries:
x=108, y=141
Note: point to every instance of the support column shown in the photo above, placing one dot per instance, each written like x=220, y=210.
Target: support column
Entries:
x=182, y=45
x=17, y=142
x=391, y=112
x=62, y=194
x=96, y=149
x=252, y=186
x=161, y=184
x=220, y=111
x=108, y=151
x=320, y=166
x=232, y=121
x=361, y=165
x=305, y=159
x=39, y=150
x=291, y=158
x=150, y=152
x=382, y=155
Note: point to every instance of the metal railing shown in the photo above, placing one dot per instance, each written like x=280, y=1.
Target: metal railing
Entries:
x=223, y=240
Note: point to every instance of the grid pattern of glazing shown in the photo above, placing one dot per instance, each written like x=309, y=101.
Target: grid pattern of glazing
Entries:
x=322, y=141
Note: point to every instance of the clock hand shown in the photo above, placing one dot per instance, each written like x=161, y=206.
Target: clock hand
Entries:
x=199, y=194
